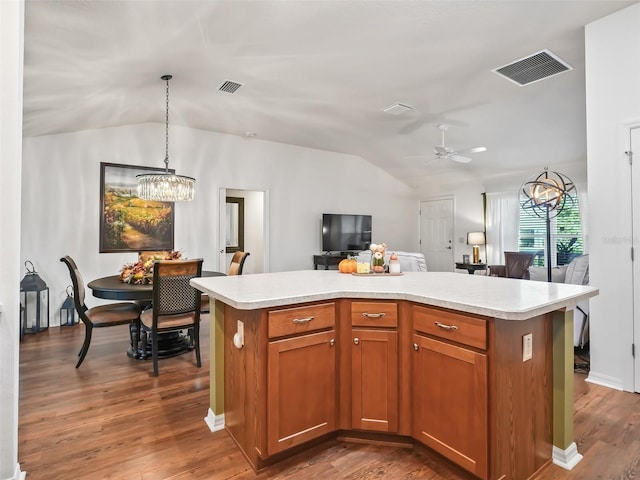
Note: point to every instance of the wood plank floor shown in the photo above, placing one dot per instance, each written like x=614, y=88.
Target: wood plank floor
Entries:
x=111, y=419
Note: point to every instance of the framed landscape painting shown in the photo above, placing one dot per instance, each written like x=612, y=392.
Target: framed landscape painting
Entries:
x=128, y=223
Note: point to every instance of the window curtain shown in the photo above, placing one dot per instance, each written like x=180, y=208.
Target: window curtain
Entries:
x=502, y=225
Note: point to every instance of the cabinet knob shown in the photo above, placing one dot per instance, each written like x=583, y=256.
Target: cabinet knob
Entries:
x=332, y=342
x=416, y=347
x=356, y=340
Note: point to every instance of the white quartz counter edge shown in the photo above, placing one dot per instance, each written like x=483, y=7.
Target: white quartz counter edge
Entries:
x=477, y=294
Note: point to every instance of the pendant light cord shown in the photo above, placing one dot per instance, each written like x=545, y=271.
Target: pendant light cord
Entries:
x=166, y=125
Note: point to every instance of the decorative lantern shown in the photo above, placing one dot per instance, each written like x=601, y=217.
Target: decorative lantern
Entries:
x=68, y=310
x=33, y=295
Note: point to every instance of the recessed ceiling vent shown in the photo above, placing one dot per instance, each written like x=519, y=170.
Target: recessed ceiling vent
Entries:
x=397, y=109
x=533, y=68
x=229, y=86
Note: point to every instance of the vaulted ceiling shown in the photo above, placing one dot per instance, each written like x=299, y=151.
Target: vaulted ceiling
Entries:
x=320, y=74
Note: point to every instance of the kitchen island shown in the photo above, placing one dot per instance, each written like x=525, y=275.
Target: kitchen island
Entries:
x=478, y=369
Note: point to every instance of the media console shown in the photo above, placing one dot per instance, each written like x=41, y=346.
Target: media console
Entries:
x=327, y=260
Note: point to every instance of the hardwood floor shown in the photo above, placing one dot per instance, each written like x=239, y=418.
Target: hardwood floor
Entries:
x=111, y=419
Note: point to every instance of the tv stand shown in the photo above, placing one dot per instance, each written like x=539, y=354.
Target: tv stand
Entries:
x=329, y=259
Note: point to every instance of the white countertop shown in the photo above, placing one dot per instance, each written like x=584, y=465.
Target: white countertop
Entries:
x=491, y=296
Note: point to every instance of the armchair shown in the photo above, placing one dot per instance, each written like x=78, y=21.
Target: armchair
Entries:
x=516, y=265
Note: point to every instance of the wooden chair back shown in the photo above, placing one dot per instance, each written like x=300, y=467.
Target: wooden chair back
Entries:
x=237, y=263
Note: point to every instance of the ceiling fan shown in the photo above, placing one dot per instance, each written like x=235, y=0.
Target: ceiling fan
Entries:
x=447, y=153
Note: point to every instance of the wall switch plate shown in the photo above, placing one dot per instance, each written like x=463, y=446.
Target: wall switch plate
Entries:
x=527, y=347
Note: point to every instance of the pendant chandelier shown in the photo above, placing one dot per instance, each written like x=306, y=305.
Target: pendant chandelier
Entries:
x=166, y=187
x=545, y=196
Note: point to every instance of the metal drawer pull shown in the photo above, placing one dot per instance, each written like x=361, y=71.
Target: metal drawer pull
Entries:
x=356, y=340
x=446, y=327
x=302, y=320
x=332, y=342
x=373, y=315
x=416, y=347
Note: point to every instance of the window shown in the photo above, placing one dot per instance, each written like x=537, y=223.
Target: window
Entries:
x=566, y=235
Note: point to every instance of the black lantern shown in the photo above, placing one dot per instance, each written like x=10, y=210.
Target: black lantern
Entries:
x=33, y=295
x=68, y=310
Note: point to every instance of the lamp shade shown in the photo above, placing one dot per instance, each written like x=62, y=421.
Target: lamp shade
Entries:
x=475, y=238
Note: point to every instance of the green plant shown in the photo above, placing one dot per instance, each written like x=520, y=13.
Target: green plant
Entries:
x=566, y=247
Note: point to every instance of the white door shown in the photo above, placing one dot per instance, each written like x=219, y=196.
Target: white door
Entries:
x=634, y=141
x=436, y=234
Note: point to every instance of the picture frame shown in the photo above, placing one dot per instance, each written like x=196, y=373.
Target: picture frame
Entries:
x=128, y=223
x=235, y=225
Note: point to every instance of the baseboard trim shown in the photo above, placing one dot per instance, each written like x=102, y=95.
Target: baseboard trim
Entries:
x=568, y=458
x=604, y=381
x=214, y=422
x=18, y=474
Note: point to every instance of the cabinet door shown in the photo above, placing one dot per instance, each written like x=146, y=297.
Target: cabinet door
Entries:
x=374, y=363
x=450, y=402
x=301, y=390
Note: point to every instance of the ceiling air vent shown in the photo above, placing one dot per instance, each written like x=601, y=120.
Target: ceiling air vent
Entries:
x=229, y=86
x=533, y=68
x=397, y=109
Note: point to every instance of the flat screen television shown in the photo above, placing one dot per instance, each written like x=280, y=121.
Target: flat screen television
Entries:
x=345, y=233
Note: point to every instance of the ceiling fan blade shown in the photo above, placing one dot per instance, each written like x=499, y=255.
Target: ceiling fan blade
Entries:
x=459, y=158
x=473, y=150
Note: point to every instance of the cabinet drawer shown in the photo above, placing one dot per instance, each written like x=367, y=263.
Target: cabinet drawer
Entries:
x=451, y=326
x=301, y=319
x=374, y=314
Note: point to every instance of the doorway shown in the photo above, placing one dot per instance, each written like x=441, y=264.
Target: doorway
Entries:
x=254, y=231
x=634, y=139
x=436, y=234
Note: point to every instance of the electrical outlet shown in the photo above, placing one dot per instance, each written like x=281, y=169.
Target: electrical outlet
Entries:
x=527, y=347
x=241, y=331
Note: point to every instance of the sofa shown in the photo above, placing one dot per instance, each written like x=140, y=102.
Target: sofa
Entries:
x=409, y=261
x=576, y=273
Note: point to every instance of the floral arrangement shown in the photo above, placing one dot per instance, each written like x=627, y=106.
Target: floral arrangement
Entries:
x=141, y=272
x=378, y=251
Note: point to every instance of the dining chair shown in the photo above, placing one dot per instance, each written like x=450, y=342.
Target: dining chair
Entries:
x=235, y=268
x=175, y=306
x=109, y=315
x=237, y=263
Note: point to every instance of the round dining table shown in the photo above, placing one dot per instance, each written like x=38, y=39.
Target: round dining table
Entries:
x=169, y=343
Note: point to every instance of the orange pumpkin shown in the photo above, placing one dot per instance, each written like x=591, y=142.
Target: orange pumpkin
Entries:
x=348, y=265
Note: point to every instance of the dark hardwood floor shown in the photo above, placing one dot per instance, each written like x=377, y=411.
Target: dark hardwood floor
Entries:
x=111, y=419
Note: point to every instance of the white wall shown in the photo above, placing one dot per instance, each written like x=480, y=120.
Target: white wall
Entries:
x=613, y=83
x=60, y=198
x=11, y=59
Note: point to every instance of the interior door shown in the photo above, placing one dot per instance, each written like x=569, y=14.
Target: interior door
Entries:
x=436, y=234
x=634, y=141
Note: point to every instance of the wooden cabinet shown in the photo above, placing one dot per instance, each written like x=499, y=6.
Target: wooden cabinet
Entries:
x=454, y=382
x=450, y=402
x=374, y=366
x=301, y=376
x=449, y=381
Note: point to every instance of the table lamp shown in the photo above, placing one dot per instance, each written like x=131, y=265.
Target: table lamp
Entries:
x=476, y=239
